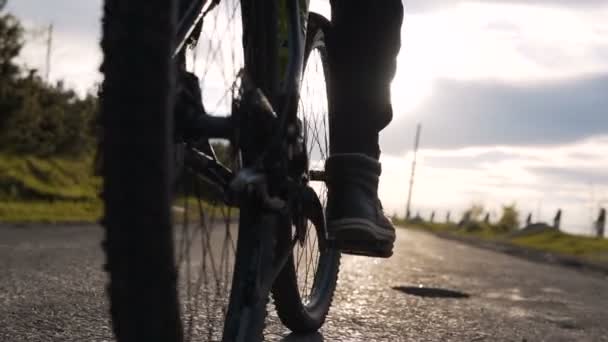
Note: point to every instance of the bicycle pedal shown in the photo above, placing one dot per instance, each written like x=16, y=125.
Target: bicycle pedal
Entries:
x=362, y=248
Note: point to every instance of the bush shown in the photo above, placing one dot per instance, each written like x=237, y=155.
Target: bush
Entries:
x=509, y=220
x=47, y=120
x=37, y=118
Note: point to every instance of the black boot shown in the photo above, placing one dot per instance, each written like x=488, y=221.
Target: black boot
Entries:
x=355, y=221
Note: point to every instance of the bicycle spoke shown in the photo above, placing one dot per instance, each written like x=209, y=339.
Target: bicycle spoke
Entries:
x=221, y=53
x=206, y=239
x=206, y=250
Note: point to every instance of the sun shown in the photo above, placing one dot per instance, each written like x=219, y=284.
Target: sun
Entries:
x=411, y=86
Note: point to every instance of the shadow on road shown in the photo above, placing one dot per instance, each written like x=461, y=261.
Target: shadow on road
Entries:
x=293, y=337
x=431, y=292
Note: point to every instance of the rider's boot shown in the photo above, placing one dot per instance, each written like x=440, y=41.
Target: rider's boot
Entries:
x=355, y=221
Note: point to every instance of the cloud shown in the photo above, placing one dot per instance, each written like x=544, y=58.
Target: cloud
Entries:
x=497, y=39
x=572, y=173
x=470, y=113
x=76, y=26
x=503, y=42
x=468, y=162
x=537, y=179
x=67, y=15
x=430, y=5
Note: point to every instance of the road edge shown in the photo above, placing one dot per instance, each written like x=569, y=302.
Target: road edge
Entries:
x=521, y=252
x=50, y=225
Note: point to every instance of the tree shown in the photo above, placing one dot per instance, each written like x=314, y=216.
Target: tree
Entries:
x=475, y=211
x=37, y=118
x=11, y=42
x=509, y=219
x=47, y=120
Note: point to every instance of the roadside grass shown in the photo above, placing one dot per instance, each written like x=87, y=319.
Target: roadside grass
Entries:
x=545, y=240
x=91, y=211
x=54, y=190
x=34, y=189
x=29, y=178
x=594, y=249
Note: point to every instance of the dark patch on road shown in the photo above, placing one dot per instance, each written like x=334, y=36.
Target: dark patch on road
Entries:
x=431, y=292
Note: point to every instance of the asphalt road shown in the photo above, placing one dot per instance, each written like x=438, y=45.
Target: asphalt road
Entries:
x=52, y=289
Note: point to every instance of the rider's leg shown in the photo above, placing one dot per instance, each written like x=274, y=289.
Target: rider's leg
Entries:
x=363, y=46
x=365, y=41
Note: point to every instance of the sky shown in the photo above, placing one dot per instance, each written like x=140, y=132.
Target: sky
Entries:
x=511, y=95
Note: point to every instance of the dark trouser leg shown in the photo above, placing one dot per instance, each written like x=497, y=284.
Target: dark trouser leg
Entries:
x=363, y=46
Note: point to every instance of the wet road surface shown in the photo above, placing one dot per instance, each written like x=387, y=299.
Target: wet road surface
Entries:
x=52, y=289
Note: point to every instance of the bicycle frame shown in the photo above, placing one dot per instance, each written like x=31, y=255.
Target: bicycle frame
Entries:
x=268, y=183
x=292, y=20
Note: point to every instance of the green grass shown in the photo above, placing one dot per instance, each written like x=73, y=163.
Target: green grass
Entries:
x=90, y=211
x=588, y=248
x=34, y=189
x=28, y=178
x=64, y=190
x=561, y=243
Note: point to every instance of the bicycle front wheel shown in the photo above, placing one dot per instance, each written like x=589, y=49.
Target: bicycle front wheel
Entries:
x=135, y=102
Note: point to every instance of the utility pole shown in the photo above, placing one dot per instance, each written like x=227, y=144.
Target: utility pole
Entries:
x=49, y=47
x=592, y=205
x=409, y=194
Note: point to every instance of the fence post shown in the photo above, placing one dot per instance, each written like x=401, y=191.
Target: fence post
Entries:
x=466, y=217
x=557, y=220
x=432, y=216
x=529, y=219
x=600, y=224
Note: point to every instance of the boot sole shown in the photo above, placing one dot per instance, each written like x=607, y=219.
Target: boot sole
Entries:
x=361, y=237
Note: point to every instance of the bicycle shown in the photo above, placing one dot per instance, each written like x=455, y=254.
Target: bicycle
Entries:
x=154, y=171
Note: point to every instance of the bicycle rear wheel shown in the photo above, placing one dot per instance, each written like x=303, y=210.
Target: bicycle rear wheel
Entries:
x=304, y=290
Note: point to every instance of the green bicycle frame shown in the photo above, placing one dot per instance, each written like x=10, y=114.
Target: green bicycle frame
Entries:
x=283, y=32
